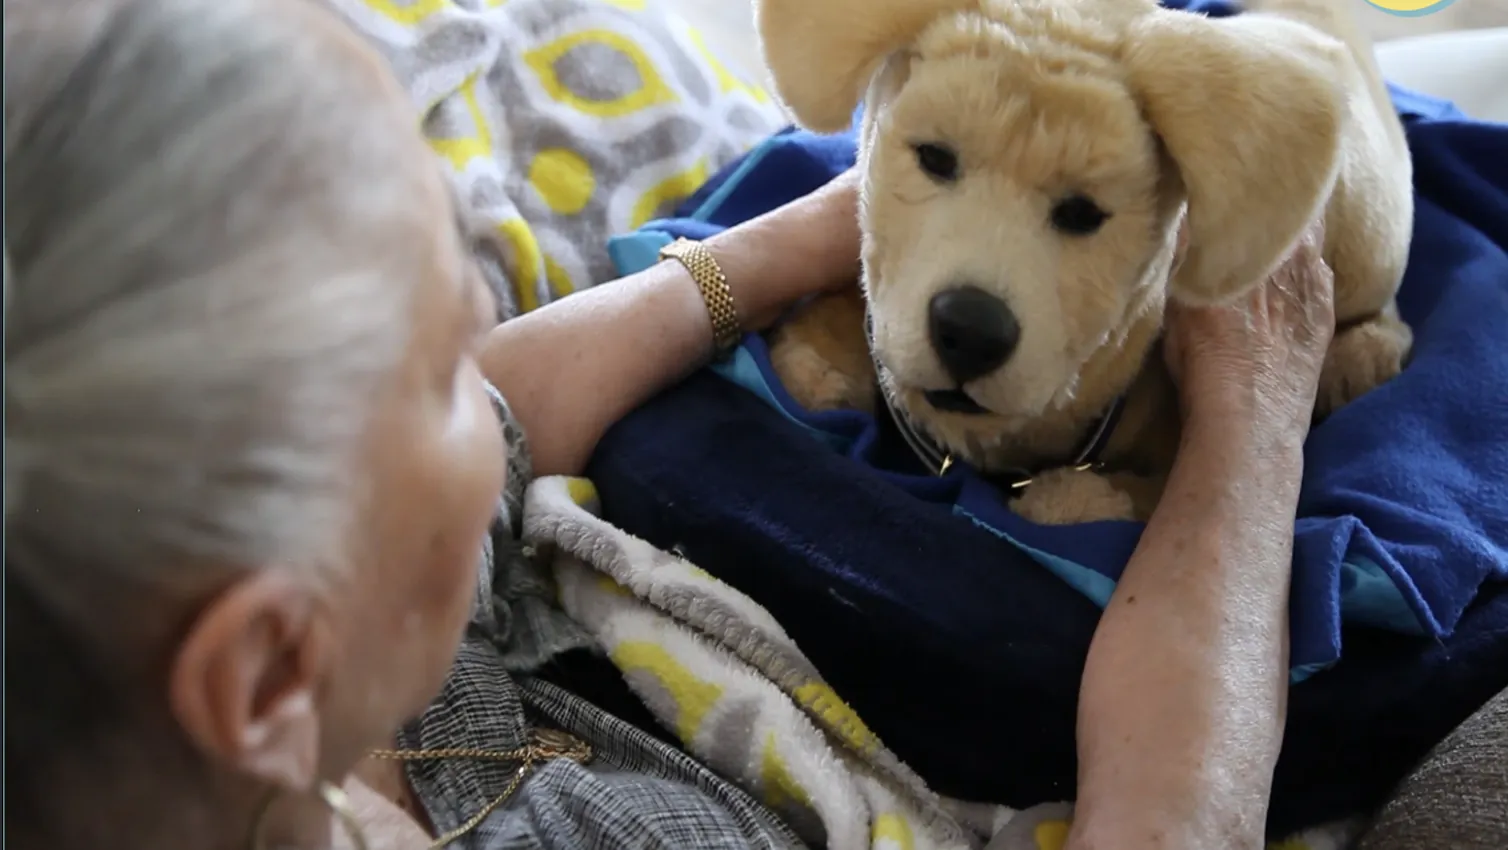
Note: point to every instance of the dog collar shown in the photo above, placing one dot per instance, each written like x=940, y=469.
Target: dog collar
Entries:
x=938, y=460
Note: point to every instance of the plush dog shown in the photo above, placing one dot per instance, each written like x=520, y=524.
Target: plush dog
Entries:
x=1040, y=176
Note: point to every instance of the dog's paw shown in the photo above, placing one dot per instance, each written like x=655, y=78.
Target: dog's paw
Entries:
x=815, y=382
x=1361, y=358
x=1067, y=495
x=822, y=356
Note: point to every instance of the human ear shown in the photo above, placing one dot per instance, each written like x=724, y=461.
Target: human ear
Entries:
x=245, y=680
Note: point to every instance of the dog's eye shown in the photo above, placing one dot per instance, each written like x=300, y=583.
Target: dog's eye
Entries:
x=1078, y=215
x=939, y=161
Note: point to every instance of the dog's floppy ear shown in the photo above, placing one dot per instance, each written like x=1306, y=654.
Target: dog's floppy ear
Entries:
x=1251, y=110
x=821, y=53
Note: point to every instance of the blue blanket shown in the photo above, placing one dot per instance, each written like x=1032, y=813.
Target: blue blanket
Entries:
x=1401, y=549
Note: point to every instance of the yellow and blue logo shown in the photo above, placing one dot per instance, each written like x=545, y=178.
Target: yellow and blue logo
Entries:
x=1410, y=8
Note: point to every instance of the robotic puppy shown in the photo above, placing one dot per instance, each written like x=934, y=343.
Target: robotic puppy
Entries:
x=1041, y=176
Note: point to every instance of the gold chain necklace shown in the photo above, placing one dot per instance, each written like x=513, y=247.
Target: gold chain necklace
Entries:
x=545, y=745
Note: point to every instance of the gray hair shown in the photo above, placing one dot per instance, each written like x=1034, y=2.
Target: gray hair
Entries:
x=202, y=295
x=204, y=300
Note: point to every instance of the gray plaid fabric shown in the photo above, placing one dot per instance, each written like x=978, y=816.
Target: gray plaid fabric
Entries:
x=516, y=607
x=636, y=792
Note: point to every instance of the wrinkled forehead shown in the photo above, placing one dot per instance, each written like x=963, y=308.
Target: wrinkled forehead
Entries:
x=1021, y=119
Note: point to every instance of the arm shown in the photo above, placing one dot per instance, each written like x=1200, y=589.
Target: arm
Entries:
x=1182, y=705
x=574, y=367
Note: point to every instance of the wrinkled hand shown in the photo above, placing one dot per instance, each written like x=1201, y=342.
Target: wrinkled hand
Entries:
x=1257, y=361
x=806, y=247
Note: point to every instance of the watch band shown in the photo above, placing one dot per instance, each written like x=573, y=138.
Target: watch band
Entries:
x=713, y=284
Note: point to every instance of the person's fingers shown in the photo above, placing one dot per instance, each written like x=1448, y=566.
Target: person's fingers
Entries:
x=1311, y=286
x=1291, y=312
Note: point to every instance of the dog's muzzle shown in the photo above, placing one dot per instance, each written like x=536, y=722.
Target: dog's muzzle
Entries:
x=972, y=332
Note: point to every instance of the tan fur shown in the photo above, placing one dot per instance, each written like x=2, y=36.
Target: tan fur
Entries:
x=1239, y=131
x=822, y=356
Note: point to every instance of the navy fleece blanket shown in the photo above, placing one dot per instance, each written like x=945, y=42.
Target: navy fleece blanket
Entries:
x=1400, y=590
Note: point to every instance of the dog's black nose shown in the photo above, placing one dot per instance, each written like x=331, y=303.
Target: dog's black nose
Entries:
x=972, y=331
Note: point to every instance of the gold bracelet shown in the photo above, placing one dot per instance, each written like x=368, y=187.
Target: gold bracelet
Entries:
x=713, y=284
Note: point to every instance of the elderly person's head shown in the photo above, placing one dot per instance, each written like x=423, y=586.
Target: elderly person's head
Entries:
x=248, y=457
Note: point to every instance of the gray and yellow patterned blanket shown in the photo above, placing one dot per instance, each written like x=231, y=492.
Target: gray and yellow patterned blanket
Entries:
x=564, y=122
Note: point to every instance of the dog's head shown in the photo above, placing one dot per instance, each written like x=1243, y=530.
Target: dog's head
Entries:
x=1028, y=164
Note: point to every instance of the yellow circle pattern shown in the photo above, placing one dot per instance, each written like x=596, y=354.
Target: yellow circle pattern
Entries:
x=1050, y=835
x=563, y=178
x=891, y=832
